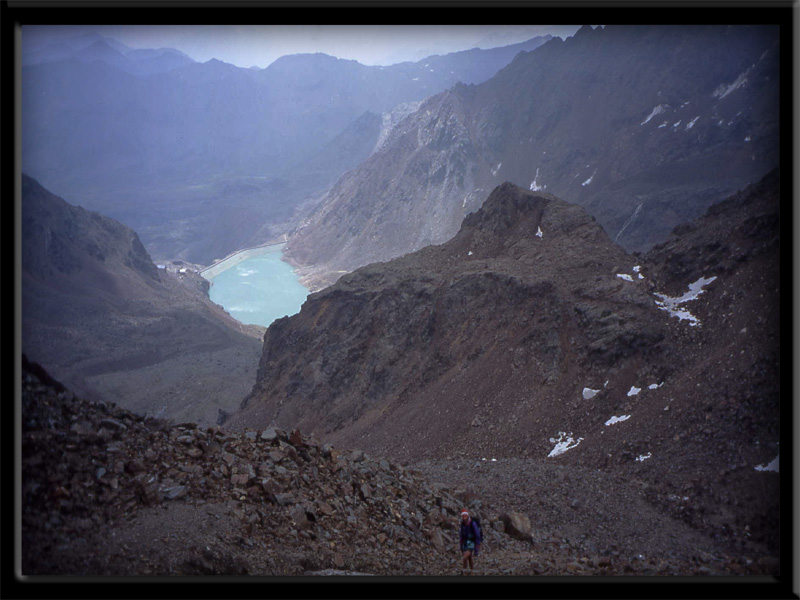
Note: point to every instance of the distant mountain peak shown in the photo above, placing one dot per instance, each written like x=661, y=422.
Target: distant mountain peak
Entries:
x=288, y=60
x=101, y=49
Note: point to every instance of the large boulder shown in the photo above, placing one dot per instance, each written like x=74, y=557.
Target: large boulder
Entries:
x=517, y=525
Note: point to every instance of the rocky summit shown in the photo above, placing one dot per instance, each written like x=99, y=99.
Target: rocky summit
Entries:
x=520, y=310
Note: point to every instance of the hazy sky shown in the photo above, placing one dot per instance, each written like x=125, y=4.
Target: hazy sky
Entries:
x=259, y=45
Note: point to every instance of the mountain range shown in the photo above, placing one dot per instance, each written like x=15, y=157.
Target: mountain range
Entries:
x=91, y=47
x=172, y=147
x=644, y=126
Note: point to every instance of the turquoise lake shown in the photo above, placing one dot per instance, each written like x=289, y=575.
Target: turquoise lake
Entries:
x=259, y=289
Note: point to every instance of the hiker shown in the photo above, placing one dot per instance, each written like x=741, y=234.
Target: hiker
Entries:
x=469, y=540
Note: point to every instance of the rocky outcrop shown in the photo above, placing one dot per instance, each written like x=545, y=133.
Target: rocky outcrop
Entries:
x=531, y=335
x=494, y=329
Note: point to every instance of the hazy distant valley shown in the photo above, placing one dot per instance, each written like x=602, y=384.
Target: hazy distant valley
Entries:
x=203, y=159
x=545, y=286
x=200, y=160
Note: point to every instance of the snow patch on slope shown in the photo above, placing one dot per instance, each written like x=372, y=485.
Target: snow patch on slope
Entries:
x=674, y=305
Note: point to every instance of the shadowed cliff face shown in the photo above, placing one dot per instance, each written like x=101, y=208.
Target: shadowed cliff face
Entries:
x=645, y=127
x=99, y=315
x=498, y=316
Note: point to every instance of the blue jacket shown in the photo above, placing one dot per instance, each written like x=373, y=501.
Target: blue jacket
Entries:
x=469, y=531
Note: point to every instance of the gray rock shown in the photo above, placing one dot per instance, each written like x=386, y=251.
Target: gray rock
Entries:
x=517, y=525
x=113, y=424
x=174, y=492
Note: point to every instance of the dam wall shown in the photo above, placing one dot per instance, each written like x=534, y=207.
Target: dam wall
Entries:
x=234, y=259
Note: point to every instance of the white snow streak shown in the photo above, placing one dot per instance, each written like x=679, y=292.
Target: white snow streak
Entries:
x=656, y=111
x=564, y=442
x=673, y=305
x=629, y=221
x=535, y=187
x=723, y=89
x=773, y=466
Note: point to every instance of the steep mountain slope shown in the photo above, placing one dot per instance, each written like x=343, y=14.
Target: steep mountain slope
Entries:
x=644, y=126
x=531, y=335
x=107, y=322
x=152, y=147
x=710, y=435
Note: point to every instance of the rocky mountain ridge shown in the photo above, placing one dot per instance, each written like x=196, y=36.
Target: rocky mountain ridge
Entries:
x=449, y=312
x=532, y=335
x=644, y=126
